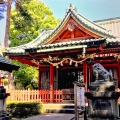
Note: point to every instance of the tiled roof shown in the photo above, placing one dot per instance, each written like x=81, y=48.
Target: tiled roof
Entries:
x=6, y=65
x=33, y=43
x=59, y=46
x=67, y=45
x=45, y=35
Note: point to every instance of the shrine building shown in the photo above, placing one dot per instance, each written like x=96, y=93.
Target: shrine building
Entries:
x=66, y=53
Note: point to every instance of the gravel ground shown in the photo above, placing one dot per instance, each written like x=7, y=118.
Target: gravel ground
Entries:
x=53, y=116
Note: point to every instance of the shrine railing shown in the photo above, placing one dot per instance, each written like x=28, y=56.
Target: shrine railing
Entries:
x=60, y=96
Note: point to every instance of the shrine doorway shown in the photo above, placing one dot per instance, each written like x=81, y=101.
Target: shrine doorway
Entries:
x=67, y=77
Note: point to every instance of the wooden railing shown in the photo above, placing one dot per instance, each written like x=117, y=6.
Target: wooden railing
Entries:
x=34, y=95
x=60, y=96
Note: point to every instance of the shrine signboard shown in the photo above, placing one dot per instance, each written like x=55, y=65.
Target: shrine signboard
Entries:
x=80, y=97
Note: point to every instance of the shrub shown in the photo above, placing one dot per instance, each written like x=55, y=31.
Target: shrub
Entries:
x=23, y=110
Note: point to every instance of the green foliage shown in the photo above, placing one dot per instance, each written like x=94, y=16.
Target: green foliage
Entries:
x=5, y=81
x=23, y=110
x=27, y=20
x=31, y=16
x=26, y=75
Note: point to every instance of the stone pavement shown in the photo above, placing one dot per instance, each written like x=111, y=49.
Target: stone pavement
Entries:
x=53, y=116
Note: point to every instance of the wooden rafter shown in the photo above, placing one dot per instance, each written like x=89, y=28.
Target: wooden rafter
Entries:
x=64, y=34
x=77, y=38
x=80, y=31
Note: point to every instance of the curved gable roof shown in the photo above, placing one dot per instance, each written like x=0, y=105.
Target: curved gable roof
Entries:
x=91, y=26
x=46, y=35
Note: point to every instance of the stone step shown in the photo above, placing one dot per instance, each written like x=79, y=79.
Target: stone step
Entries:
x=67, y=111
x=59, y=108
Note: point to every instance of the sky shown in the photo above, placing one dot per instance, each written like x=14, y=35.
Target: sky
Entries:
x=91, y=9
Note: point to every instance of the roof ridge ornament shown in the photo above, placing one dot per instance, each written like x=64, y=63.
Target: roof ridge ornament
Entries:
x=72, y=7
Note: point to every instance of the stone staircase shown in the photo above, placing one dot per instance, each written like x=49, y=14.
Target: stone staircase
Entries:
x=58, y=108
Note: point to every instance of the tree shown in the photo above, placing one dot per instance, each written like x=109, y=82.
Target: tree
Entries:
x=27, y=23
x=3, y=4
x=27, y=20
x=8, y=14
x=7, y=23
x=27, y=76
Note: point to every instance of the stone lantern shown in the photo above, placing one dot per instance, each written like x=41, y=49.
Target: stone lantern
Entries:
x=102, y=97
x=3, y=96
x=6, y=66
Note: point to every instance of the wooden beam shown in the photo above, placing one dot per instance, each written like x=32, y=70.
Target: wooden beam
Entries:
x=111, y=65
x=39, y=79
x=71, y=39
x=28, y=62
x=51, y=83
x=119, y=76
x=107, y=62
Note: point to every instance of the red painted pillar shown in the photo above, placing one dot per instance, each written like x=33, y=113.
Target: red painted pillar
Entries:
x=85, y=73
x=118, y=76
x=51, y=83
x=39, y=79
